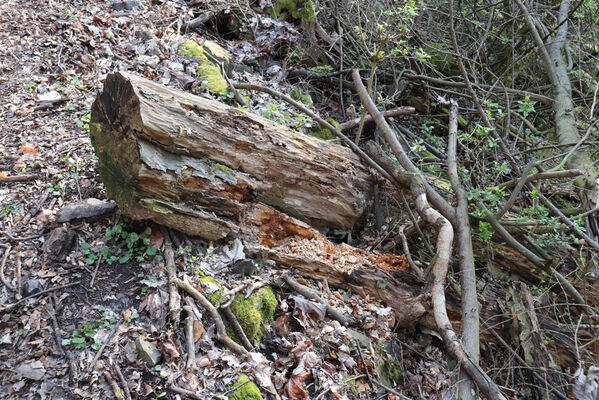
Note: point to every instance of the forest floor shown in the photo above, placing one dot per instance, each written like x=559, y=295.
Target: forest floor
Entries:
x=75, y=297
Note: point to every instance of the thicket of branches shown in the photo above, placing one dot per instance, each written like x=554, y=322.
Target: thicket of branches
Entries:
x=506, y=97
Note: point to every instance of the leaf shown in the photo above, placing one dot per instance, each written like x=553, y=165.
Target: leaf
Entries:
x=294, y=389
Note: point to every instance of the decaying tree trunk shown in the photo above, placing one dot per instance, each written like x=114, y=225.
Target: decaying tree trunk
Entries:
x=193, y=163
x=214, y=171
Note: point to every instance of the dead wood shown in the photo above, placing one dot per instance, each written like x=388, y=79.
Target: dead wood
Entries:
x=195, y=164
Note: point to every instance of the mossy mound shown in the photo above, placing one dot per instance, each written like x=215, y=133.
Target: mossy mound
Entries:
x=191, y=48
x=389, y=372
x=296, y=94
x=252, y=312
x=214, y=80
x=207, y=71
x=247, y=391
x=298, y=9
x=324, y=133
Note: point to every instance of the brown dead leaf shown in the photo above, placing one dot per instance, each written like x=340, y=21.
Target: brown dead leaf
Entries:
x=127, y=314
x=169, y=348
x=294, y=389
x=205, y=362
x=282, y=326
x=198, y=330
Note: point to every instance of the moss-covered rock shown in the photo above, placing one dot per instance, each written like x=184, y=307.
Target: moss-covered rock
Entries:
x=207, y=71
x=324, y=133
x=296, y=94
x=191, y=48
x=298, y=9
x=214, y=80
x=252, y=312
x=247, y=391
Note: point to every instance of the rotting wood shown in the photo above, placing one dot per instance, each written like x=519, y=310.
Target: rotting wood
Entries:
x=194, y=164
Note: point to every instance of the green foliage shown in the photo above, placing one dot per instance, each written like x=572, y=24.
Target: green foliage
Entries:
x=274, y=113
x=137, y=247
x=83, y=336
x=526, y=106
x=8, y=208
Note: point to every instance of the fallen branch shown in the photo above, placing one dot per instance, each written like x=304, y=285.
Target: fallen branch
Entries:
x=368, y=119
x=470, y=326
x=312, y=295
x=17, y=178
x=570, y=173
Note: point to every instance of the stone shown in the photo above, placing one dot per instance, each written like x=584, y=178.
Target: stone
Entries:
x=148, y=352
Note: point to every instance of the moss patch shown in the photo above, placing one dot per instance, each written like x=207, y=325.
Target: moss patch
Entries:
x=248, y=391
x=191, y=48
x=252, y=312
x=298, y=9
x=324, y=133
x=296, y=94
x=212, y=289
x=389, y=372
x=207, y=71
x=214, y=79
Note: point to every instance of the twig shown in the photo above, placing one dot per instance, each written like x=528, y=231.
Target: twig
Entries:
x=91, y=284
x=569, y=173
x=221, y=334
x=112, y=383
x=237, y=328
x=313, y=295
x=119, y=374
x=368, y=119
x=52, y=311
x=174, y=299
x=24, y=299
x=19, y=277
x=101, y=349
x=191, y=348
x=406, y=250
x=17, y=178
x=7, y=249
x=320, y=121
x=364, y=364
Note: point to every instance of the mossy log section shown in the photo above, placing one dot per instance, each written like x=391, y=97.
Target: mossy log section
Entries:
x=194, y=164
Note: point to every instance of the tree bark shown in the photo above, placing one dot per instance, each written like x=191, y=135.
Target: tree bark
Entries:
x=195, y=164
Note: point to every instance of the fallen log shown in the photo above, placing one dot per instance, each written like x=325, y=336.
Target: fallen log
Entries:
x=214, y=171
x=193, y=164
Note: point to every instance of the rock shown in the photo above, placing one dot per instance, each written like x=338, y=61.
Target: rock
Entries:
x=33, y=286
x=32, y=370
x=87, y=208
x=218, y=53
x=360, y=337
x=148, y=352
x=126, y=5
x=58, y=243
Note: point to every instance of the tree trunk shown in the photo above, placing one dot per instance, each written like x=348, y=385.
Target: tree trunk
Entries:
x=195, y=164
